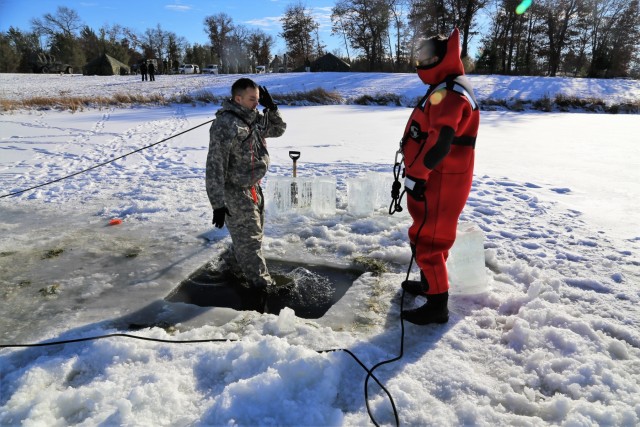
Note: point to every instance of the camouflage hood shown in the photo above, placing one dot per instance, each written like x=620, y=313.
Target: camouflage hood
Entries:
x=229, y=105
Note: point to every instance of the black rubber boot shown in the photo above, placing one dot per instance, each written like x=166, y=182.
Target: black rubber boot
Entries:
x=415, y=287
x=434, y=311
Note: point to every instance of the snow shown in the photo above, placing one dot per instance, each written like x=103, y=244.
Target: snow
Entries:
x=555, y=341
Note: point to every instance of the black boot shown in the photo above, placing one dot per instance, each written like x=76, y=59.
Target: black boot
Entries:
x=415, y=287
x=434, y=311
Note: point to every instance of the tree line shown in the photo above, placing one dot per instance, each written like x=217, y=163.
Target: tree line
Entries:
x=582, y=38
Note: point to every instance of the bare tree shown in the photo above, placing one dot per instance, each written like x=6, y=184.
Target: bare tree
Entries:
x=614, y=32
x=441, y=16
x=514, y=41
x=219, y=28
x=156, y=44
x=466, y=12
x=339, y=28
x=259, y=45
x=237, y=49
x=66, y=21
x=396, y=8
x=298, y=27
x=365, y=23
x=559, y=16
x=431, y=17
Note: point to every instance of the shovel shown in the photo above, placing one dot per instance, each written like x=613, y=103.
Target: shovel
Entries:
x=294, y=155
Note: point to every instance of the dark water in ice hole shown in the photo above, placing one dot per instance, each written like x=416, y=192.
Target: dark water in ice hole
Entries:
x=315, y=288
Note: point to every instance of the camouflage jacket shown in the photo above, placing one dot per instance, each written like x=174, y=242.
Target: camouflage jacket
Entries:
x=238, y=155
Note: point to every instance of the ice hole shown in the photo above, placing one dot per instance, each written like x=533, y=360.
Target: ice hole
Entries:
x=315, y=288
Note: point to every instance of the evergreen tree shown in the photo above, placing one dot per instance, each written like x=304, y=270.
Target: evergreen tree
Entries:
x=9, y=57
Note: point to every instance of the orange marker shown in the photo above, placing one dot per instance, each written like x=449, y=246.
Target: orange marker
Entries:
x=115, y=221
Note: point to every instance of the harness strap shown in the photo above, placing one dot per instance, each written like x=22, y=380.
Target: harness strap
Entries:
x=456, y=87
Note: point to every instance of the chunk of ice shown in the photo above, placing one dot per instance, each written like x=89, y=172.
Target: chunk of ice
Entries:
x=465, y=265
x=315, y=195
x=361, y=196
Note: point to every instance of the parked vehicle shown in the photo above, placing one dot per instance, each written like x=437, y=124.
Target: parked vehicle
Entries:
x=261, y=69
x=210, y=69
x=188, y=69
x=45, y=63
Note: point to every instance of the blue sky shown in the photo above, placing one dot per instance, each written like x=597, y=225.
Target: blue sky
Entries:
x=183, y=17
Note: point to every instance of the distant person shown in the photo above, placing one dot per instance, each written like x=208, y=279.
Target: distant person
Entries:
x=275, y=64
x=307, y=65
x=143, y=70
x=152, y=72
x=438, y=148
x=236, y=162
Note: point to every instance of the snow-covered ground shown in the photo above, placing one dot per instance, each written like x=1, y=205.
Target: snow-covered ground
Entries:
x=555, y=341
x=348, y=85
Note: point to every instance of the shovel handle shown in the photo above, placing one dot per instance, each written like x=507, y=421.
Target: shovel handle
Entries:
x=295, y=155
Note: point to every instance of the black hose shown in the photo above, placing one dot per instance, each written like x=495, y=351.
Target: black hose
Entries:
x=94, y=338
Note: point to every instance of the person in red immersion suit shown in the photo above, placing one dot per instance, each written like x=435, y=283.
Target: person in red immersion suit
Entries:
x=438, y=149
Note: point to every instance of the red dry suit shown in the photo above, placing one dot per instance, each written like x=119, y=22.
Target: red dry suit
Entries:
x=438, y=149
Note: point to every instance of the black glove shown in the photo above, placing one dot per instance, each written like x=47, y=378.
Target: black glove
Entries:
x=218, y=216
x=266, y=100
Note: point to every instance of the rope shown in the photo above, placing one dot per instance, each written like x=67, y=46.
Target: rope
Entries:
x=100, y=164
x=396, y=195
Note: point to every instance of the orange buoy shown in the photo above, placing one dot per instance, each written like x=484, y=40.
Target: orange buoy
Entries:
x=115, y=221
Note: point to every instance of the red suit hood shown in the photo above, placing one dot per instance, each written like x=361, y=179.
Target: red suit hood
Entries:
x=450, y=64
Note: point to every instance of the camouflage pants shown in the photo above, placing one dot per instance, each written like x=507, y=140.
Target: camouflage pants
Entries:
x=245, y=223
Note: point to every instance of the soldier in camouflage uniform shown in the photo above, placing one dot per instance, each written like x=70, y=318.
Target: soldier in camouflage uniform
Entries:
x=237, y=161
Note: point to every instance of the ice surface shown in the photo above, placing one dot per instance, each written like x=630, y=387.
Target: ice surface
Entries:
x=465, y=264
x=547, y=347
